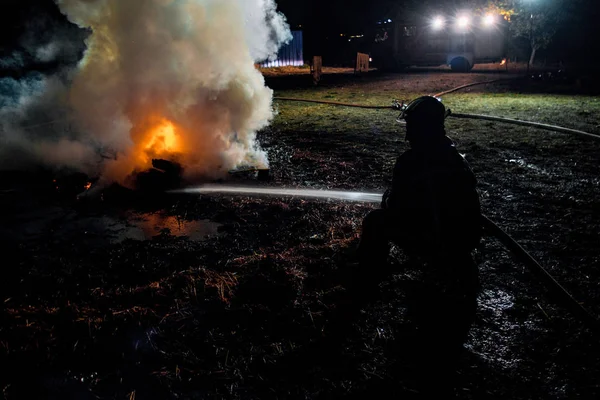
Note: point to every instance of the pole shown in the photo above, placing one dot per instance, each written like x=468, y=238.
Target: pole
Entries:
x=530, y=41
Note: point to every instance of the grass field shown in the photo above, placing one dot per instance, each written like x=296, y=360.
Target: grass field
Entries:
x=235, y=314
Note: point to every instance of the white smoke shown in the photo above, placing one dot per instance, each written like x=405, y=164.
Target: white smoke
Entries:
x=47, y=40
x=14, y=61
x=189, y=62
x=48, y=138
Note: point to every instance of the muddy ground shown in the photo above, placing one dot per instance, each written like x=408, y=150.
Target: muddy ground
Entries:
x=175, y=296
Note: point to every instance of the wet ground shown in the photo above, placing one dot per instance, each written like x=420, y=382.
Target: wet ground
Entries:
x=187, y=296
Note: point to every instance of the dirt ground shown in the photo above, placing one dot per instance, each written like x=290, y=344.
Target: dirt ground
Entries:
x=195, y=297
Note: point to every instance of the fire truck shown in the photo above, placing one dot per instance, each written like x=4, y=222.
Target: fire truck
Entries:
x=460, y=41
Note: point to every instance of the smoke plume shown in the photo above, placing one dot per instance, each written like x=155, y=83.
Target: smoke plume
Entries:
x=168, y=79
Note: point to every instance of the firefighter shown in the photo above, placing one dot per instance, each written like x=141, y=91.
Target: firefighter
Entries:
x=432, y=212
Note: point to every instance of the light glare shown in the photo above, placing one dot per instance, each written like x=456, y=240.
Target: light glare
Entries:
x=463, y=22
x=489, y=20
x=438, y=23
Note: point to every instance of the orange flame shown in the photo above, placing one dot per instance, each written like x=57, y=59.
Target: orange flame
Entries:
x=153, y=137
x=87, y=186
x=160, y=141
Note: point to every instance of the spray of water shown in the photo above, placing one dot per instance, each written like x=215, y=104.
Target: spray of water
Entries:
x=282, y=192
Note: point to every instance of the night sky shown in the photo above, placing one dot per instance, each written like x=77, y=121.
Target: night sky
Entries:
x=323, y=20
x=26, y=23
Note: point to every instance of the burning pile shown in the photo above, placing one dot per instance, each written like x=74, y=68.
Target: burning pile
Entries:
x=160, y=79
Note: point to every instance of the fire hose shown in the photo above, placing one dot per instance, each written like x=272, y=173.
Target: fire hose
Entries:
x=548, y=127
x=538, y=125
x=456, y=89
x=560, y=293
x=397, y=106
x=334, y=103
x=393, y=107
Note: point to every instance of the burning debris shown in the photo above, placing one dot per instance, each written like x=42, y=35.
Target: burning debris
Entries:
x=159, y=80
x=261, y=174
x=70, y=184
x=163, y=175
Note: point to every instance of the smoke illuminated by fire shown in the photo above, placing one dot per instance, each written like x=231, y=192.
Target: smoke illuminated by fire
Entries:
x=162, y=138
x=161, y=142
x=172, y=79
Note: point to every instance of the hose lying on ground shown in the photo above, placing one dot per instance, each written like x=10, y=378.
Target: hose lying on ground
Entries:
x=456, y=89
x=333, y=103
x=539, y=125
x=560, y=293
x=336, y=103
x=525, y=123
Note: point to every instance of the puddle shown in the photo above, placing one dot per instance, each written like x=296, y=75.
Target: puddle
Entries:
x=522, y=163
x=55, y=223
x=146, y=226
x=68, y=225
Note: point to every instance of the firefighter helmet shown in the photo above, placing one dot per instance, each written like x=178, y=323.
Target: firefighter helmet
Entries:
x=426, y=109
x=424, y=119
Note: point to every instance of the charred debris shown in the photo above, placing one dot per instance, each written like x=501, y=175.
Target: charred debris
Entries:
x=68, y=185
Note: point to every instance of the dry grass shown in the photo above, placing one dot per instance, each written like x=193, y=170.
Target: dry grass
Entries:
x=225, y=283
x=578, y=112
x=232, y=317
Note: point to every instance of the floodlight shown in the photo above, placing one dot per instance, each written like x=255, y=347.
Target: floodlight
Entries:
x=463, y=22
x=489, y=20
x=438, y=23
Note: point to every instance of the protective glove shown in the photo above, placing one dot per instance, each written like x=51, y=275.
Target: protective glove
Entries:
x=385, y=198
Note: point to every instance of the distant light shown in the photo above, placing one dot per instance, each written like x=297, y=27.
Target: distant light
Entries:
x=438, y=23
x=489, y=20
x=389, y=20
x=463, y=22
x=370, y=59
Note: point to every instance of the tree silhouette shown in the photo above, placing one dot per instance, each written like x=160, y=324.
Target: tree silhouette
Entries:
x=535, y=21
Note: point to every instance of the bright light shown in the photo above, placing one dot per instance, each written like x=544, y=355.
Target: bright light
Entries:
x=162, y=138
x=389, y=20
x=463, y=22
x=438, y=23
x=489, y=20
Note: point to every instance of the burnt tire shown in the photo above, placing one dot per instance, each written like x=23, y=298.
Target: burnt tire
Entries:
x=460, y=64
